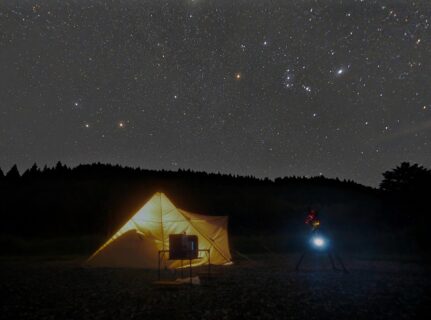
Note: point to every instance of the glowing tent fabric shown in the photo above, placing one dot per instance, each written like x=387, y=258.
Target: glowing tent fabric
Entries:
x=138, y=242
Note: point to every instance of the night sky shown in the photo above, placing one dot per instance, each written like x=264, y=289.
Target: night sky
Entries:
x=263, y=88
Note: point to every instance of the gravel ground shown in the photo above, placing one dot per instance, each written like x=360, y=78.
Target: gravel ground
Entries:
x=265, y=287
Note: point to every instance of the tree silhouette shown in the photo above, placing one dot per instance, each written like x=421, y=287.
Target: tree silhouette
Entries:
x=406, y=188
x=96, y=199
x=31, y=173
x=406, y=178
x=13, y=173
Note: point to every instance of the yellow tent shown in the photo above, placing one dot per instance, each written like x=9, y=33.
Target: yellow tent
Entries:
x=138, y=242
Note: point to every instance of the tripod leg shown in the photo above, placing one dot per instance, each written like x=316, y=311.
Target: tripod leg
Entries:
x=341, y=263
x=332, y=261
x=300, y=260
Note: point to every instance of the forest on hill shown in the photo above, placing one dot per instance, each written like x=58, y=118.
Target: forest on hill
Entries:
x=96, y=199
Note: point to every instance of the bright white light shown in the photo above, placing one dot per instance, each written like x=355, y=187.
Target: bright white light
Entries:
x=319, y=242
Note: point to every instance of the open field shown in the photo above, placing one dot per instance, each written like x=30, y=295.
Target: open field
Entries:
x=265, y=287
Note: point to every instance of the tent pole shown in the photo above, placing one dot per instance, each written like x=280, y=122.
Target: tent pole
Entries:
x=191, y=282
x=161, y=223
x=158, y=260
x=209, y=261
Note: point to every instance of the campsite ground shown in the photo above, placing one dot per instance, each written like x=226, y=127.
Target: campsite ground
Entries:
x=264, y=287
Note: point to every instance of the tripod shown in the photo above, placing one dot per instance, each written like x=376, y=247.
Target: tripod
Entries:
x=313, y=221
x=331, y=256
x=320, y=243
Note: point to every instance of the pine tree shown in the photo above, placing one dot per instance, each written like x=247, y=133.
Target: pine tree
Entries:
x=13, y=173
x=32, y=172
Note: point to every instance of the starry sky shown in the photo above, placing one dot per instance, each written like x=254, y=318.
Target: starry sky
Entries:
x=263, y=88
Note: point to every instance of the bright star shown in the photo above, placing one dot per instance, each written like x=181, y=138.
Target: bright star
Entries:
x=341, y=70
x=288, y=79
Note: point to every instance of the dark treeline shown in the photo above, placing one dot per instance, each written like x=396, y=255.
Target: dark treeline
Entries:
x=99, y=198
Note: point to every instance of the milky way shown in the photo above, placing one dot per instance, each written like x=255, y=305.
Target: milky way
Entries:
x=263, y=88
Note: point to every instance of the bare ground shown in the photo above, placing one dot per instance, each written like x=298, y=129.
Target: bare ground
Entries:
x=265, y=287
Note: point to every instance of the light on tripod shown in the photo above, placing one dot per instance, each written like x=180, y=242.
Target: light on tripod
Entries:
x=318, y=242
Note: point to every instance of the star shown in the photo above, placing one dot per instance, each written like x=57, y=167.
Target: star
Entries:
x=359, y=74
x=340, y=71
x=288, y=79
x=306, y=88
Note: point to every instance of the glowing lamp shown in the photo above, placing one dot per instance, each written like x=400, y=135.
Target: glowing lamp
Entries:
x=318, y=242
